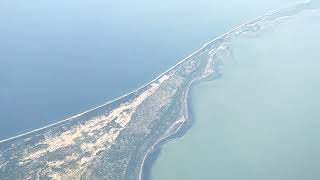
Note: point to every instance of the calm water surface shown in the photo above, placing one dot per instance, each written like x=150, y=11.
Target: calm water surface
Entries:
x=261, y=119
x=59, y=58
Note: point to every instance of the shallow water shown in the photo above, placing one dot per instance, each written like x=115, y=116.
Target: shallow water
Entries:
x=260, y=120
x=59, y=58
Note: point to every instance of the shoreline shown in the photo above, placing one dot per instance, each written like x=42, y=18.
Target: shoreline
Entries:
x=172, y=134
x=186, y=122
x=143, y=86
x=183, y=120
x=146, y=84
x=155, y=149
x=105, y=104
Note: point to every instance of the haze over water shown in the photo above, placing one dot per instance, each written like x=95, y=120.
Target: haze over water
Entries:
x=59, y=58
x=260, y=120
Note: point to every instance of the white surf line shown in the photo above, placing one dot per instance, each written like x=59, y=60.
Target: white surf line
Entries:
x=150, y=82
x=109, y=102
x=185, y=117
x=186, y=101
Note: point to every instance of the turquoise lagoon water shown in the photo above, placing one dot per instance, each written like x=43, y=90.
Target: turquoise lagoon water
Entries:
x=261, y=119
x=59, y=58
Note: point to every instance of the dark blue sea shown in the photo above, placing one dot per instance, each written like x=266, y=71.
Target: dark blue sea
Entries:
x=59, y=58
